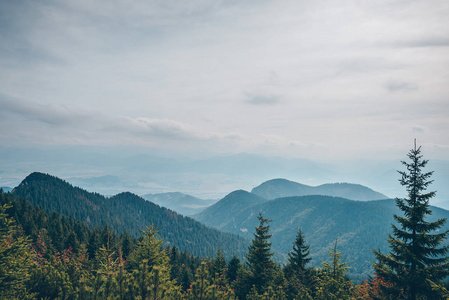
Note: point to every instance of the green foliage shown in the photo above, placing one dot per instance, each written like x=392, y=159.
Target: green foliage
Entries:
x=416, y=256
x=15, y=257
x=232, y=269
x=151, y=267
x=206, y=286
x=332, y=281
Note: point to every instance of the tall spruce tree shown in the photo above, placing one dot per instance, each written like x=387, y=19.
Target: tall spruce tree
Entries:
x=416, y=260
x=299, y=257
x=260, y=256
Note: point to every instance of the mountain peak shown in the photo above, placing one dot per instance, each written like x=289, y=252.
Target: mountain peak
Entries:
x=278, y=188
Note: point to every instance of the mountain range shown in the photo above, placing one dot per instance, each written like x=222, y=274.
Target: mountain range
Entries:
x=126, y=212
x=268, y=190
x=358, y=226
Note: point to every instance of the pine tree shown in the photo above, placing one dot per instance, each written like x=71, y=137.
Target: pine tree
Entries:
x=415, y=260
x=333, y=283
x=300, y=279
x=299, y=257
x=218, y=265
x=233, y=267
x=152, y=268
x=260, y=256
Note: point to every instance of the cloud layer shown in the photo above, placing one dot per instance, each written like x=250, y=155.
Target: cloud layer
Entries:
x=313, y=79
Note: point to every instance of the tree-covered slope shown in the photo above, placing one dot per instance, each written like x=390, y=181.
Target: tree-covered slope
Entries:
x=278, y=188
x=126, y=212
x=222, y=214
x=358, y=226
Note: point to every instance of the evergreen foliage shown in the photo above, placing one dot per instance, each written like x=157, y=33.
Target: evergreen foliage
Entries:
x=332, y=280
x=416, y=258
x=259, y=256
x=300, y=278
x=299, y=257
x=15, y=257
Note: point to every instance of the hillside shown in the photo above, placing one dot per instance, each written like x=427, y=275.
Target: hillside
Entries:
x=278, y=188
x=222, y=214
x=126, y=212
x=181, y=203
x=358, y=226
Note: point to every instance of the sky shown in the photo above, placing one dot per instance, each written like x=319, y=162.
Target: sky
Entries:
x=320, y=80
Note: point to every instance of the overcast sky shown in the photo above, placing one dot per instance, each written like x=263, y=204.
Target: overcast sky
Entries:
x=312, y=79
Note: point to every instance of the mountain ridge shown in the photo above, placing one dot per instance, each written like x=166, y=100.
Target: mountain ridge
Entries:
x=280, y=187
x=54, y=194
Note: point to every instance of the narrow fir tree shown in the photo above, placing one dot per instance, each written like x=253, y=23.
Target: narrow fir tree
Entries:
x=299, y=282
x=415, y=259
x=260, y=256
x=299, y=257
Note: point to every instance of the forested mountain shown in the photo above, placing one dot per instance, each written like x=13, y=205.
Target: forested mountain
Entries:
x=277, y=188
x=126, y=212
x=57, y=232
x=181, y=203
x=358, y=226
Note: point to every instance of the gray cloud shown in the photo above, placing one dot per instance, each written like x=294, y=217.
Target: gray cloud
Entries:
x=48, y=114
x=425, y=42
x=400, y=86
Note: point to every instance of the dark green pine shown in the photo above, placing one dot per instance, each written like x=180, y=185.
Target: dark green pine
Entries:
x=299, y=257
x=416, y=256
x=260, y=256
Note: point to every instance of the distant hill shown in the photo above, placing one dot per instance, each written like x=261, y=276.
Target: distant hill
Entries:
x=221, y=214
x=181, y=203
x=278, y=188
x=126, y=212
x=359, y=226
x=6, y=189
